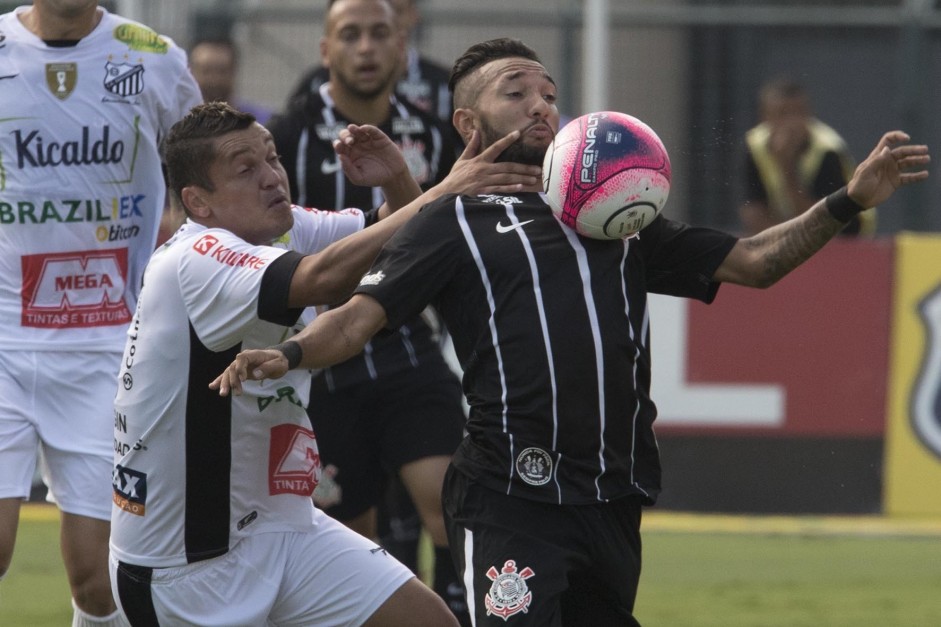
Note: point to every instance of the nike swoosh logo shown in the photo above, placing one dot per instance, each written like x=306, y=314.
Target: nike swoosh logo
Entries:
x=8, y=76
x=510, y=227
x=330, y=167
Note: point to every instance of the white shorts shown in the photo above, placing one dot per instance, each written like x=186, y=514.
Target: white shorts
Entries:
x=331, y=576
x=62, y=404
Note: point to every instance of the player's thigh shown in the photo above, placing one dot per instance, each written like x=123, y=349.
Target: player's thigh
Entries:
x=424, y=416
x=336, y=576
x=348, y=439
x=19, y=434
x=413, y=604
x=423, y=479
x=76, y=425
x=511, y=554
x=603, y=585
x=227, y=591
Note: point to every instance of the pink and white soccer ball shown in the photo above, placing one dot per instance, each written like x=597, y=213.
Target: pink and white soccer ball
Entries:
x=606, y=175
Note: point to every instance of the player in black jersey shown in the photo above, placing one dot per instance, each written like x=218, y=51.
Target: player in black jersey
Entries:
x=543, y=498
x=422, y=81
x=395, y=410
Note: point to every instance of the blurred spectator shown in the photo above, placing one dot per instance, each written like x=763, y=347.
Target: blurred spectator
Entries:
x=215, y=63
x=792, y=161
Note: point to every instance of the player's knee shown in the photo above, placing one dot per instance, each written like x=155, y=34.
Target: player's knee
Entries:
x=6, y=557
x=93, y=595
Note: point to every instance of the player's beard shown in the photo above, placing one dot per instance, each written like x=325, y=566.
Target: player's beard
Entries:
x=517, y=152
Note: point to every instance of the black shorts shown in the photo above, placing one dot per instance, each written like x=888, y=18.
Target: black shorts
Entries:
x=543, y=565
x=369, y=432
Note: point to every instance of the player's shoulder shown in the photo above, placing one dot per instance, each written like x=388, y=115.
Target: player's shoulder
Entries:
x=433, y=70
x=522, y=198
x=409, y=118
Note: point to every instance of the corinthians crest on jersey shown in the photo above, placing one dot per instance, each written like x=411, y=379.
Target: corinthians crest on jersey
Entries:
x=124, y=79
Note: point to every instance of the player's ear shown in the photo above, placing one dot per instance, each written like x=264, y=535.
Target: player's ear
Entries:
x=195, y=200
x=324, y=60
x=465, y=121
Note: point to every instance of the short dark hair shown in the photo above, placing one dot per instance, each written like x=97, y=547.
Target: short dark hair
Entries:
x=485, y=52
x=219, y=40
x=782, y=87
x=188, y=149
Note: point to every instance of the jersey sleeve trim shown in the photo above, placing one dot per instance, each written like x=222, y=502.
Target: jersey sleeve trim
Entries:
x=276, y=289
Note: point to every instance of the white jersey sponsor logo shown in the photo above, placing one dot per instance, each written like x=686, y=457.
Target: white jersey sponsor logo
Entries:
x=294, y=461
x=77, y=289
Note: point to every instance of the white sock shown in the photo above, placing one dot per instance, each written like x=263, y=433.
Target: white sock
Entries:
x=84, y=619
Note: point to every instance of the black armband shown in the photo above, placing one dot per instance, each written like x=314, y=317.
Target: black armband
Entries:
x=842, y=207
x=291, y=351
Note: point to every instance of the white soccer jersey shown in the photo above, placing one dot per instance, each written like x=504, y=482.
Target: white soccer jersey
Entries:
x=195, y=472
x=81, y=188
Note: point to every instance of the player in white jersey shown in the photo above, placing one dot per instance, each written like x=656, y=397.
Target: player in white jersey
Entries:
x=85, y=96
x=204, y=485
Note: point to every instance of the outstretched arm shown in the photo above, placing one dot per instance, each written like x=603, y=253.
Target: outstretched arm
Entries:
x=330, y=275
x=332, y=337
x=763, y=259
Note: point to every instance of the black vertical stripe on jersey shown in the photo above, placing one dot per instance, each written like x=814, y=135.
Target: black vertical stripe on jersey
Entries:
x=208, y=454
x=135, y=596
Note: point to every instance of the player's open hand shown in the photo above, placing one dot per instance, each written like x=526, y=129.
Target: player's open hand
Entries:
x=368, y=156
x=255, y=365
x=475, y=173
x=891, y=164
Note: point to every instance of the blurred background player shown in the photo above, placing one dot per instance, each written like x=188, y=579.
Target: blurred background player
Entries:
x=422, y=81
x=792, y=161
x=395, y=410
x=215, y=66
x=85, y=96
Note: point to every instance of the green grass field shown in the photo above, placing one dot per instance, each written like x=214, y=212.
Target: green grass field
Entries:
x=699, y=571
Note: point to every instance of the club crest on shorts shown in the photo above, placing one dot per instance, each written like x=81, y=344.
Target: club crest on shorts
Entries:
x=509, y=593
x=534, y=466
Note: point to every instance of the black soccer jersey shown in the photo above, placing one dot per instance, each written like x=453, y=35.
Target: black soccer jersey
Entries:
x=304, y=137
x=424, y=84
x=552, y=331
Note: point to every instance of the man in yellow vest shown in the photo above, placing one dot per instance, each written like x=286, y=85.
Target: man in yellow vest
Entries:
x=793, y=160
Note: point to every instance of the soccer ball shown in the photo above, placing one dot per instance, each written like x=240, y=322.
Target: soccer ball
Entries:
x=606, y=175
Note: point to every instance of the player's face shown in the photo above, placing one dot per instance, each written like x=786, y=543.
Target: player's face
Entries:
x=251, y=197
x=362, y=47
x=214, y=70
x=67, y=8
x=518, y=94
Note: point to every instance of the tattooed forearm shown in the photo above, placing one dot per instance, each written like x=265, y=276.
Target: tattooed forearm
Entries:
x=783, y=248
